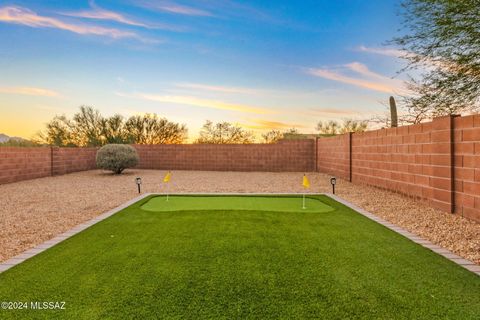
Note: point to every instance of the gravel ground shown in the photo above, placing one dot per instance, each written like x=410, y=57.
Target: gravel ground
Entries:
x=34, y=211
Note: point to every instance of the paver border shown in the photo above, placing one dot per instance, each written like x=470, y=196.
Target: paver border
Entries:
x=467, y=264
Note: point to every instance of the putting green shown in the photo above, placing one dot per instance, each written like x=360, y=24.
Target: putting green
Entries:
x=264, y=203
x=239, y=264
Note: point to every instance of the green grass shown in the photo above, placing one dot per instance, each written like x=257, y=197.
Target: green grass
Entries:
x=241, y=264
x=239, y=203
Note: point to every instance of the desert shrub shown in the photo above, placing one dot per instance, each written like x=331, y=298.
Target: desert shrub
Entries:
x=116, y=157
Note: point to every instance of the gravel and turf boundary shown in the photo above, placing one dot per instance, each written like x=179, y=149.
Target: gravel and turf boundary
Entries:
x=467, y=264
x=38, y=210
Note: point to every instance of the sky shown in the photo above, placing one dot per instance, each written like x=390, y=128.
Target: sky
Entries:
x=260, y=64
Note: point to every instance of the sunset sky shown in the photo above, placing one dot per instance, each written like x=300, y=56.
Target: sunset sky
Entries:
x=261, y=64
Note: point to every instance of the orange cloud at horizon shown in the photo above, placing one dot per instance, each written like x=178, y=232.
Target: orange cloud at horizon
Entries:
x=198, y=102
x=223, y=89
x=332, y=111
x=370, y=80
x=261, y=124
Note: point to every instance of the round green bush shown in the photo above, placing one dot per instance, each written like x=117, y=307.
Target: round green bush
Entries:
x=117, y=157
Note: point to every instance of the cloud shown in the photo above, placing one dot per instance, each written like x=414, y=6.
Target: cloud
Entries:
x=363, y=70
x=368, y=80
x=260, y=124
x=173, y=7
x=197, y=102
x=29, y=91
x=24, y=16
x=224, y=9
x=332, y=112
x=102, y=14
x=223, y=89
x=390, y=52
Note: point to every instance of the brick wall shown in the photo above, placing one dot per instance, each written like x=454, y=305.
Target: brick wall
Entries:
x=438, y=161
x=467, y=166
x=67, y=160
x=287, y=155
x=333, y=155
x=24, y=163
x=18, y=164
x=412, y=160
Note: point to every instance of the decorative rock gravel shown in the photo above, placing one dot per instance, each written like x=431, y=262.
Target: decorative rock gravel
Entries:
x=35, y=211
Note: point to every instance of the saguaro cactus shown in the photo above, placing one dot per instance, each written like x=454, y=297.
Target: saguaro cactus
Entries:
x=393, y=113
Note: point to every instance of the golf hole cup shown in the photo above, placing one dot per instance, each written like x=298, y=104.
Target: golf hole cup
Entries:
x=138, y=181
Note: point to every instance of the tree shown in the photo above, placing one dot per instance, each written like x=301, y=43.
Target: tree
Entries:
x=114, y=131
x=330, y=127
x=58, y=132
x=84, y=129
x=292, y=131
x=150, y=129
x=333, y=127
x=443, y=41
x=350, y=125
x=89, y=128
x=272, y=136
x=224, y=132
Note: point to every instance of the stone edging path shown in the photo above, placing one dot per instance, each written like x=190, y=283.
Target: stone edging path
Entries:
x=469, y=265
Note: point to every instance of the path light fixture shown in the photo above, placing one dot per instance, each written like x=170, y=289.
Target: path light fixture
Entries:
x=138, y=181
x=333, y=181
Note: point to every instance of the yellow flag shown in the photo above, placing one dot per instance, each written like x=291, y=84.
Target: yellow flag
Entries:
x=306, y=183
x=167, y=177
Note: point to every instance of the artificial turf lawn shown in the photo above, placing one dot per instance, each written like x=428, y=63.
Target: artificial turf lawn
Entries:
x=241, y=264
x=241, y=203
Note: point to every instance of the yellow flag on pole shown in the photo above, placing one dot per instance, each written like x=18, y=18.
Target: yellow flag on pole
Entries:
x=306, y=183
x=167, y=177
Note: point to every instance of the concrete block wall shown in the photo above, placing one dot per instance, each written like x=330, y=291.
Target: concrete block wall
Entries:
x=287, y=155
x=467, y=166
x=412, y=160
x=18, y=164
x=437, y=161
x=333, y=155
x=67, y=160
x=24, y=163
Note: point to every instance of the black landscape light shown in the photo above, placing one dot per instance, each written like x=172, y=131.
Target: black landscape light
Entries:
x=138, y=181
x=333, y=181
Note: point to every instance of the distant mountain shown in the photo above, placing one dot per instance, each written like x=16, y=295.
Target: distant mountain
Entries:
x=5, y=138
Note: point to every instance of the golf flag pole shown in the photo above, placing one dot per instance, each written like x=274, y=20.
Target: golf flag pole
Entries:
x=167, y=180
x=306, y=185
